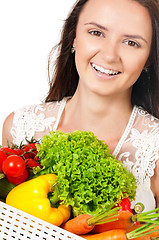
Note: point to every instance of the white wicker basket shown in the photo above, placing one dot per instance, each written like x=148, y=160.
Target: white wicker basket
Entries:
x=18, y=225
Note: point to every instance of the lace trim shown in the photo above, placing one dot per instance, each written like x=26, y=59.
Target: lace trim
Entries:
x=141, y=158
x=149, y=120
x=126, y=132
x=31, y=119
x=146, y=154
x=142, y=141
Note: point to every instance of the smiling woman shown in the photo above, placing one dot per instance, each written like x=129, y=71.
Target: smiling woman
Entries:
x=100, y=83
x=107, y=48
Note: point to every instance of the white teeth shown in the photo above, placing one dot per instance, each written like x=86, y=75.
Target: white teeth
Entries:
x=102, y=70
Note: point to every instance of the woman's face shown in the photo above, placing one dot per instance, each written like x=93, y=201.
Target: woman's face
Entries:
x=113, y=43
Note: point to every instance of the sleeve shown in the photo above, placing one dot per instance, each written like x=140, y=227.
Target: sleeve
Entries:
x=30, y=120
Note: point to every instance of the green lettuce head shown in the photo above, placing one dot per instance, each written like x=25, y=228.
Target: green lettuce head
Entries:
x=90, y=179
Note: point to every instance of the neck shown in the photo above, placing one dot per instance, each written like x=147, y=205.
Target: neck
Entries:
x=106, y=118
x=99, y=106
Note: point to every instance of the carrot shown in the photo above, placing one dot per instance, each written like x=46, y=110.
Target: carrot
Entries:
x=124, y=221
x=79, y=224
x=152, y=234
x=156, y=233
x=85, y=223
x=142, y=232
x=147, y=237
x=133, y=227
x=115, y=234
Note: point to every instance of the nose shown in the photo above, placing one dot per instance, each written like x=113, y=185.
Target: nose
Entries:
x=110, y=51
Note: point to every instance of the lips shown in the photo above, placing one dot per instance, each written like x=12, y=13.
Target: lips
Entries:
x=102, y=70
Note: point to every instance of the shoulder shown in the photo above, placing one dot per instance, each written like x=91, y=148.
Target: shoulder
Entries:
x=40, y=108
x=35, y=108
x=146, y=119
x=32, y=121
x=144, y=134
x=35, y=111
x=35, y=120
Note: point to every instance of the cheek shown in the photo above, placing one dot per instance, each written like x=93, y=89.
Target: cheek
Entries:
x=84, y=54
x=85, y=47
x=135, y=63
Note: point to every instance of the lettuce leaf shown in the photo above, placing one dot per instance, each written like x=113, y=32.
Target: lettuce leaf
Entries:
x=90, y=179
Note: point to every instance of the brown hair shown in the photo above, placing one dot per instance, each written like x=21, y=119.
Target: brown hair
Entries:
x=64, y=79
x=146, y=89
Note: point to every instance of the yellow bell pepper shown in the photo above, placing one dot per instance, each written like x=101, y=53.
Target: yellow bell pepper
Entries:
x=32, y=197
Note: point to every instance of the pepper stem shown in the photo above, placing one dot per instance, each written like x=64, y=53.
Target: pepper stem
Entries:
x=54, y=195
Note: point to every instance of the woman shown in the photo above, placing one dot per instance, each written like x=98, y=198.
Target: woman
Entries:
x=105, y=81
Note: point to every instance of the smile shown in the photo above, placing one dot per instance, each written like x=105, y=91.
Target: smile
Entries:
x=103, y=70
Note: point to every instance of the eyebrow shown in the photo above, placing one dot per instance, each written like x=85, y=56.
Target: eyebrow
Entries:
x=136, y=37
x=125, y=35
x=97, y=25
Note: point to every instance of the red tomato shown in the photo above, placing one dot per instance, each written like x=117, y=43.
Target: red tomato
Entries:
x=8, y=151
x=19, y=151
x=13, y=166
x=30, y=163
x=31, y=150
x=3, y=156
x=20, y=179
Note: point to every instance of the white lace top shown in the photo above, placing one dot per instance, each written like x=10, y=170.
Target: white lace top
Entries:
x=138, y=147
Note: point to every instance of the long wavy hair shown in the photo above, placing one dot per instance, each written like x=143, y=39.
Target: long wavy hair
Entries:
x=63, y=77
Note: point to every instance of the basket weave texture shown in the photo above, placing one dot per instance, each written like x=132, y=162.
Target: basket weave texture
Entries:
x=18, y=225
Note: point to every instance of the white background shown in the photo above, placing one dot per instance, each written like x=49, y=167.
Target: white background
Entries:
x=28, y=31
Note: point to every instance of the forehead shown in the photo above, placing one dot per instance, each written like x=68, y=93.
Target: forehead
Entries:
x=120, y=14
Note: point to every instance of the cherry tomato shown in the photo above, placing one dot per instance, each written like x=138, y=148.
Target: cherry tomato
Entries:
x=20, y=179
x=13, y=166
x=30, y=163
x=9, y=151
x=3, y=156
x=31, y=150
x=19, y=151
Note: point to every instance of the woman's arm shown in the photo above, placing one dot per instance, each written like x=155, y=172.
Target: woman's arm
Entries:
x=155, y=183
x=6, y=135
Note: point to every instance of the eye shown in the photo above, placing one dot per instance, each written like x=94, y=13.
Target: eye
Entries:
x=96, y=33
x=132, y=43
